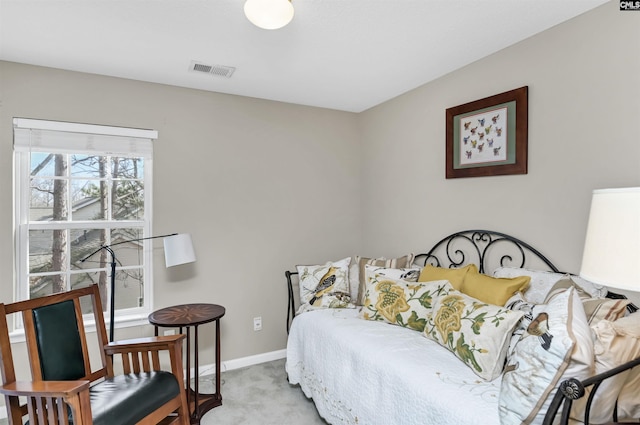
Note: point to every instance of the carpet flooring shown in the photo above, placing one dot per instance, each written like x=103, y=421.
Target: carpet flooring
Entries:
x=257, y=395
x=260, y=395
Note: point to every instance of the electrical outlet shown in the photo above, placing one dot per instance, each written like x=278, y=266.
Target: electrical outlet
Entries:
x=257, y=323
x=170, y=332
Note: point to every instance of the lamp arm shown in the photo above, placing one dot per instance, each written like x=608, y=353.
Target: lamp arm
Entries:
x=112, y=295
x=121, y=242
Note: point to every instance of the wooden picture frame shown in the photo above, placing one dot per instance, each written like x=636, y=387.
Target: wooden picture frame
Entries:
x=488, y=137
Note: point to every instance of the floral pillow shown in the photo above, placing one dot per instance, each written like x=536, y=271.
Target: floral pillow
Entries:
x=357, y=278
x=324, y=286
x=399, y=302
x=476, y=332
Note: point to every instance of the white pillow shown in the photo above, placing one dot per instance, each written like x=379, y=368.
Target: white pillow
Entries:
x=543, y=281
x=555, y=345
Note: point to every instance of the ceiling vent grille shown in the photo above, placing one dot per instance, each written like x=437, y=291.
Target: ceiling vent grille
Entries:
x=217, y=70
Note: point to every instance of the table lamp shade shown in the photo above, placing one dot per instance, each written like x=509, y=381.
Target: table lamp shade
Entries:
x=612, y=247
x=178, y=249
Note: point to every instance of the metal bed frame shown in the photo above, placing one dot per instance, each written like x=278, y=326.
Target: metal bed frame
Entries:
x=487, y=248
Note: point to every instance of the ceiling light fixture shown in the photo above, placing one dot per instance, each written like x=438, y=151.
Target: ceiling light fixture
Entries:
x=269, y=14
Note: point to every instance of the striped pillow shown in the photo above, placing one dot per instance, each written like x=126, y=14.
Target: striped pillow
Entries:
x=357, y=274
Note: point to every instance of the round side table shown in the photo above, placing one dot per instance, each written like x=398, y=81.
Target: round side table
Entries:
x=191, y=316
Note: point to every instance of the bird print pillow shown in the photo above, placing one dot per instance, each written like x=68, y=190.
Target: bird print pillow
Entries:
x=325, y=286
x=553, y=343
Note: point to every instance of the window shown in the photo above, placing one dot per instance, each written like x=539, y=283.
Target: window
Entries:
x=78, y=187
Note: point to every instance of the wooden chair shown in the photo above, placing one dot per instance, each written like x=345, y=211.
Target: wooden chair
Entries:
x=64, y=389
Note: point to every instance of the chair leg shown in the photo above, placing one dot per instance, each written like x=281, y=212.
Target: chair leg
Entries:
x=183, y=411
x=81, y=408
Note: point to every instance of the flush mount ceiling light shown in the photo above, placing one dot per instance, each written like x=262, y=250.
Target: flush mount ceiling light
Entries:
x=269, y=14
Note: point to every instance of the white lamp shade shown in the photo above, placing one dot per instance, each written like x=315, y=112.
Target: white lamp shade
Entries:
x=612, y=246
x=178, y=249
x=269, y=14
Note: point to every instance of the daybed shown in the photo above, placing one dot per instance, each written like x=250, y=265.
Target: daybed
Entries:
x=449, y=358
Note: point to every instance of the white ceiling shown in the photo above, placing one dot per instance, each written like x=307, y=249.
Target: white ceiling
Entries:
x=341, y=54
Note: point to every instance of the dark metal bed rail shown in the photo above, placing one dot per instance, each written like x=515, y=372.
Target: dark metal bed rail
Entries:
x=573, y=389
x=291, y=307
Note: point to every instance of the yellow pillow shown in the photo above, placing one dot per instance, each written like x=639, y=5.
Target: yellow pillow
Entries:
x=493, y=290
x=454, y=276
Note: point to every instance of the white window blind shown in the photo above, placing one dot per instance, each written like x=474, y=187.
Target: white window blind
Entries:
x=60, y=136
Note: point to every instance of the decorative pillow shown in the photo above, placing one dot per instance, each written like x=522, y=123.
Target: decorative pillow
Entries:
x=596, y=309
x=518, y=303
x=324, y=286
x=476, y=332
x=542, y=281
x=616, y=342
x=454, y=276
x=562, y=285
x=399, y=302
x=555, y=344
x=408, y=274
x=357, y=278
x=593, y=289
x=493, y=290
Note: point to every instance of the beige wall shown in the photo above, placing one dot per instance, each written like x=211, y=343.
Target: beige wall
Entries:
x=258, y=184
x=584, y=112
x=263, y=185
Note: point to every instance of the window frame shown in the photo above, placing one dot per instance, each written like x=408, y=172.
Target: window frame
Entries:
x=100, y=141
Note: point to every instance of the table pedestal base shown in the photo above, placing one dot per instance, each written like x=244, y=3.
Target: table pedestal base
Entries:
x=205, y=402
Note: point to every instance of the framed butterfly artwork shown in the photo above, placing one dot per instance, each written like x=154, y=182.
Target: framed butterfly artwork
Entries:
x=488, y=137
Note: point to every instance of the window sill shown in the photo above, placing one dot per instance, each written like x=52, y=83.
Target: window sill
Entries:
x=128, y=321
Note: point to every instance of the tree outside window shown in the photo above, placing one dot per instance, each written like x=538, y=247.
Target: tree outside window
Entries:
x=71, y=194
x=75, y=194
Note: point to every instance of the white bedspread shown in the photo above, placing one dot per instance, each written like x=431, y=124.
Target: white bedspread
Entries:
x=369, y=373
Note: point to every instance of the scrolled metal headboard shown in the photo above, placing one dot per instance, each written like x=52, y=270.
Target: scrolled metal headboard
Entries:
x=484, y=248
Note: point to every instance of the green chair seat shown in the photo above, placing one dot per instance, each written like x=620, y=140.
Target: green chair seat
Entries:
x=126, y=399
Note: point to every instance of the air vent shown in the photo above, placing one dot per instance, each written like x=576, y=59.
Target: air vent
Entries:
x=217, y=70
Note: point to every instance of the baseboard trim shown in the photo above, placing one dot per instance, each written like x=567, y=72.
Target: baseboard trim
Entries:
x=232, y=364
x=209, y=369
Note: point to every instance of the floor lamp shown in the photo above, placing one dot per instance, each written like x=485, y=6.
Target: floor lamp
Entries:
x=612, y=246
x=178, y=249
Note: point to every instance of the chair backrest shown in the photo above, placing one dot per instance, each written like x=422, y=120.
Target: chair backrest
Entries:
x=58, y=342
x=55, y=336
